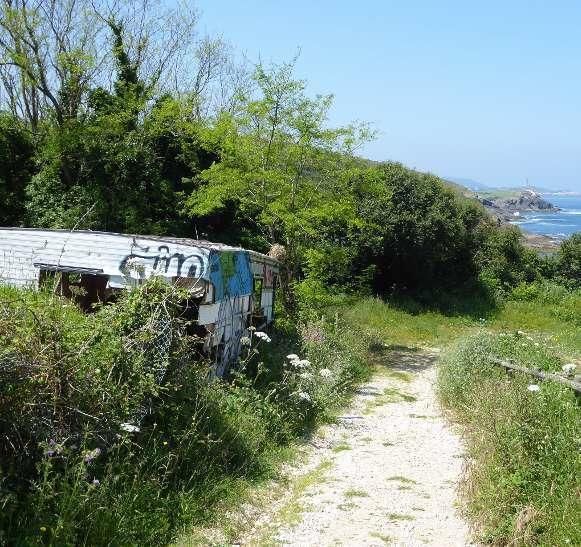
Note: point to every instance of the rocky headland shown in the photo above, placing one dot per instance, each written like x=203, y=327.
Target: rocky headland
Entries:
x=513, y=207
x=509, y=208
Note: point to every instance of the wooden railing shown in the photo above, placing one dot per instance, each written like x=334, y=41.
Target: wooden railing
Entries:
x=541, y=374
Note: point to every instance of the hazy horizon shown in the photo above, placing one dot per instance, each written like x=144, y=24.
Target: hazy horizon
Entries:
x=488, y=92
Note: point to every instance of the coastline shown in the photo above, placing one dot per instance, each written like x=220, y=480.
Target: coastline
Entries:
x=541, y=243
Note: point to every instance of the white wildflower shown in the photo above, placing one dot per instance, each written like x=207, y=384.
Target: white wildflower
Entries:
x=262, y=336
x=252, y=328
x=325, y=373
x=534, y=388
x=306, y=375
x=520, y=332
x=130, y=428
x=569, y=369
x=91, y=455
x=245, y=341
x=303, y=363
x=304, y=396
x=293, y=357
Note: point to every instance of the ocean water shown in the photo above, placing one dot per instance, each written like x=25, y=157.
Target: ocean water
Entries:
x=558, y=225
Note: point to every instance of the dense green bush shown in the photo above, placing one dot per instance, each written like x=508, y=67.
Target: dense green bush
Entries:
x=422, y=234
x=113, y=431
x=568, y=261
x=523, y=441
x=503, y=262
x=16, y=168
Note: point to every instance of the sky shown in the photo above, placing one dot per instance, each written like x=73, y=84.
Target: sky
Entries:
x=487, y=90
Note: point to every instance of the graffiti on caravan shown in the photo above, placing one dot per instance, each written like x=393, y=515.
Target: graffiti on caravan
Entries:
x=163, y=262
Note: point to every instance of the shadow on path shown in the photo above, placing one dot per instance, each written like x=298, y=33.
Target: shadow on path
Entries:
x=401, y=358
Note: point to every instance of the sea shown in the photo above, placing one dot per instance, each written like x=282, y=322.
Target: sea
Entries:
x=559, y=225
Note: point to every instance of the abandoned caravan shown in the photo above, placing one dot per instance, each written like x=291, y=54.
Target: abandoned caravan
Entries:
x=233, y=288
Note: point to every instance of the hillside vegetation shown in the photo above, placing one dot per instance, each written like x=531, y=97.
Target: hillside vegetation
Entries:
x=134, y=123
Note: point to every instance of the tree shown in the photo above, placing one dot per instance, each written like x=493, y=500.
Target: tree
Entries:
x=53, y=52
x=16, y=168
x=280, y=164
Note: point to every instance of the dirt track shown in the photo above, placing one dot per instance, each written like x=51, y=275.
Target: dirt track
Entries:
x=386, y=473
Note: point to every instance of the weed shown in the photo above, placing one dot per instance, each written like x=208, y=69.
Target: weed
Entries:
x=389, y=395
x=341, y=447
x=386, y=539
x=104, y=439
x=355, y=493
x=400, y=516
x=400, y=478
x=347, y=506
x=523, y=444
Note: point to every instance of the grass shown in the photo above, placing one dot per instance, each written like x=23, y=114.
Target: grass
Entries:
x=383, y=537
x=209, y=447
x=389, y=395
x=356, y=493
x=523, y=483
x=341, y=447
x=400, y=516
x=69, y=381
x=400, y=478
x=415, y=326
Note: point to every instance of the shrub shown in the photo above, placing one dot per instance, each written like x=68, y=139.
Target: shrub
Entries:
x=16, y=168
x=502, y=260
x=568, y=261
x=113, y=432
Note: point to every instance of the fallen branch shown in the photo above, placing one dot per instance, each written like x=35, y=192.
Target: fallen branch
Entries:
x=573, y=384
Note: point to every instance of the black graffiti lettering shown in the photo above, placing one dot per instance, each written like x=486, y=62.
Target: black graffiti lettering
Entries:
x=186, y=265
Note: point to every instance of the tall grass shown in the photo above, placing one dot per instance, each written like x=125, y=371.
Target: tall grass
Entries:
x=548, y=309
x=111, y=435
x=523, y=481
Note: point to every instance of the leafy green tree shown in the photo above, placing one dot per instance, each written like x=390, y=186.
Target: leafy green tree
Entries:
x=16, y=168
x=503, y=261
x=281, y=167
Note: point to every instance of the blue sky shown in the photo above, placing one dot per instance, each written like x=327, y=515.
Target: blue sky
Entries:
x=484, y=90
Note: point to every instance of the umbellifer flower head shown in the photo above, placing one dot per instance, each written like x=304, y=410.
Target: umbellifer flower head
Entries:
x=262, y=336
x=569, y=369
x=534, y=388
x=325, y=373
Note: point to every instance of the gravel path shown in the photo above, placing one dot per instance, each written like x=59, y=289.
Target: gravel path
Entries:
x=386, y=473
